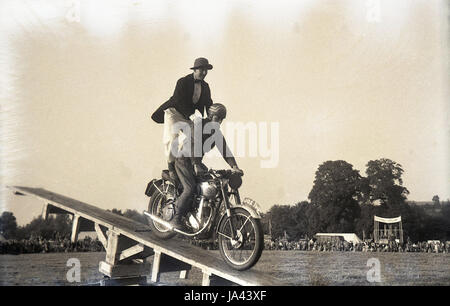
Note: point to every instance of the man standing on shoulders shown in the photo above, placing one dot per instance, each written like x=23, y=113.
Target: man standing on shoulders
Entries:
x=191, y=93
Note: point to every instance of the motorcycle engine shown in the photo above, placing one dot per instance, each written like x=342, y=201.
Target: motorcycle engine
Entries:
x=208, y=190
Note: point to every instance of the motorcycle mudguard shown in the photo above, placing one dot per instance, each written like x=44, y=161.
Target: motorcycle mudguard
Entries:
x=249, y=209
x=252, y=211
x=153, y=186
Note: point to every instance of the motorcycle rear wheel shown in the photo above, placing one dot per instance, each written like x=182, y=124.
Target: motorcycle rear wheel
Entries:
x=156, y=204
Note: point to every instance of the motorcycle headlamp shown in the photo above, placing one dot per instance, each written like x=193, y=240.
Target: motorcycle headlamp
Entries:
x=235, y=181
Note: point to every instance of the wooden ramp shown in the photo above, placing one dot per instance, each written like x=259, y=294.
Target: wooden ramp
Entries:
x=129, y=245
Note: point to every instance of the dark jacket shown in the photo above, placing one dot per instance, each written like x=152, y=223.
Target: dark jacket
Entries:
x=181, y=99
x=221, y=145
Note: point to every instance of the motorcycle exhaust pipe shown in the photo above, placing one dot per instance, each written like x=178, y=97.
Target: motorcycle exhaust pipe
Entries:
x=159, y=220
x=166, y=224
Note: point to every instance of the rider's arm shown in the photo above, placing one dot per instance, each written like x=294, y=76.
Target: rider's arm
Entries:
x=226, y=152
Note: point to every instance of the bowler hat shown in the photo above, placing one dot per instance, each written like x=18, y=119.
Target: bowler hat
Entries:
x=202, y=62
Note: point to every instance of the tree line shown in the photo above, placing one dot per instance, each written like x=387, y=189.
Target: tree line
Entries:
x=59, y=224
x=343, y=201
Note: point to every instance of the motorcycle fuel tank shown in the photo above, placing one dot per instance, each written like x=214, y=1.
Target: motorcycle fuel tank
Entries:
x=208, y=190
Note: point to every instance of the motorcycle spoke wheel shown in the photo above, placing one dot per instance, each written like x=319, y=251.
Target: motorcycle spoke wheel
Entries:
x=157, y=204
x=157, y=211
x=240, y=250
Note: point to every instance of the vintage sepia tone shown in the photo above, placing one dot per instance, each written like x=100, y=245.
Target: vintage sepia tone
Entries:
x=336, y=121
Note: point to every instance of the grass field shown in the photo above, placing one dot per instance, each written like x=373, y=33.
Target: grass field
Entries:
x=290, y=267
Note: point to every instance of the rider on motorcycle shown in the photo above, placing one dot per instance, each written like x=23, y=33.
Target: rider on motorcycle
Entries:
x=188, y=166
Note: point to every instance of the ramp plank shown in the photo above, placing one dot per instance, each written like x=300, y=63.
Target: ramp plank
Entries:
x=208, y=261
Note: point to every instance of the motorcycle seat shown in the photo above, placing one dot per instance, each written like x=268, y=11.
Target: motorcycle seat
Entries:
x=166, y=176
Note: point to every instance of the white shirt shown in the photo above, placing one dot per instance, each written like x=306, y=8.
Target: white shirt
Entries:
x=197, y=92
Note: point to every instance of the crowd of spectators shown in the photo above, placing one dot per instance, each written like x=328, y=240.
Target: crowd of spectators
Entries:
x=41, y=245
x=64, y=245
x=366, y=246
x=343, y=246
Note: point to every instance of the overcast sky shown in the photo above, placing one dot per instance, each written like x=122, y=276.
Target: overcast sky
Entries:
x=352, y=80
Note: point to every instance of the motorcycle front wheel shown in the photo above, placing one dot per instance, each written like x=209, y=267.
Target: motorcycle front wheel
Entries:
x=244, y=250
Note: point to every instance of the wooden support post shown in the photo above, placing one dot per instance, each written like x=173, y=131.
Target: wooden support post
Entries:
x=213, y=280
x=45, y=211
x=206, y=280
x=75, y=228
x=401, y=232
x=101, y=236
x=164, y=263
x=184, y=274
x=155, y=267
x=138, y=248
x=111, y=250
x=123, y=258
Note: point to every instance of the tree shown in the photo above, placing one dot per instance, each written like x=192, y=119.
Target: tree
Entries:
x=265, y=217
x=116, y=211
x=309, y=222
x=62, y=224
x=436, y=202
x=135, y=215
x=436, y=199
x=385, y=181
x=336, y=191
x=446, y=210
x=301, y=222
x=131, y=214
x=50, y=228
x=8, y=224
x=365, y=221
x=282, y=220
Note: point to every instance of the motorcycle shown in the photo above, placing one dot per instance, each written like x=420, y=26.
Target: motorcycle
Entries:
x=216, y=213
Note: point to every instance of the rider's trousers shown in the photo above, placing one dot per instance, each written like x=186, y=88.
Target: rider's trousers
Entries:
x=185, y=172
x=178, y=134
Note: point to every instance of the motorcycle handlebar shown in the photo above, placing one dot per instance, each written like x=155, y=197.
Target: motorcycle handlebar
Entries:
x=223, y=172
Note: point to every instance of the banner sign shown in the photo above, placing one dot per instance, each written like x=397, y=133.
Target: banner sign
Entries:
x=387, y=220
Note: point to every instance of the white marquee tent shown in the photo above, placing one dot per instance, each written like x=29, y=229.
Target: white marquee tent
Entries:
x=349, y=237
